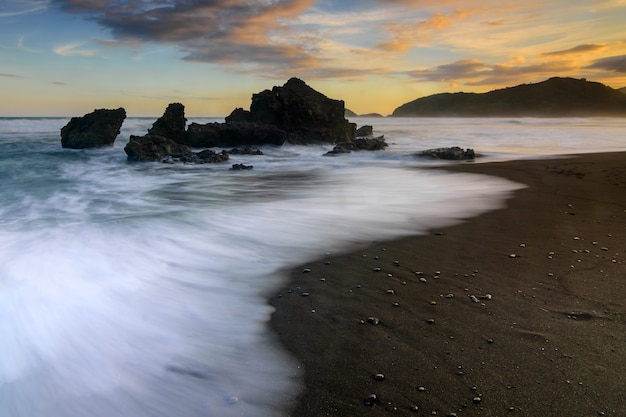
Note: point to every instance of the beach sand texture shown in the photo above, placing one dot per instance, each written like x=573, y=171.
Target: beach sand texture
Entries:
x=519, y=311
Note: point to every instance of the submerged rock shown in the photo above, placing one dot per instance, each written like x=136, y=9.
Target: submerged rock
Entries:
x=453, y=153
x=155, y=148
x=359, y=144
x=96, y=129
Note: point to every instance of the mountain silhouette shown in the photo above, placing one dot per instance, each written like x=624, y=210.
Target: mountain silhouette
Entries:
x=555, y=97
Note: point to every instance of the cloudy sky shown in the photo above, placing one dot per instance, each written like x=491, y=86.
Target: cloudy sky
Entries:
x=68, y=57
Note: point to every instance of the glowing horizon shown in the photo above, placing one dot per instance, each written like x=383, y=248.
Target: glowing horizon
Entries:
x=68, y=57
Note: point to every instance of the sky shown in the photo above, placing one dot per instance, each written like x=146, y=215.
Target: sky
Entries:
x=69, y=57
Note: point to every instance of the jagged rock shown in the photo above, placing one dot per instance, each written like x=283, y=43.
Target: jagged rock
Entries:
x=172, y=124
x=208, y=156
x=155, y=148
x=453, y=153
x=233, y=134
x=95, y=129
x=366, y=130
x=245, y=151
x=359, y=144
x=241, y=167
x=239, y=115
x=305, y=114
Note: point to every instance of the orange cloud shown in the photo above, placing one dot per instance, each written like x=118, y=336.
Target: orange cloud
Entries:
x=405, y=35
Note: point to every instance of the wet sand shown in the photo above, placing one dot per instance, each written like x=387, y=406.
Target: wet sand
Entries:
x=519, y=311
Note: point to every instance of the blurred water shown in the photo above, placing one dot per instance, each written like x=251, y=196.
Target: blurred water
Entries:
x=138, y=289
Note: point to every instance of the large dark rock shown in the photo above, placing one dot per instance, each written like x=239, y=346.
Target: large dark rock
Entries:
x=155, y=148
x=95, y=129
x=172, y=124
x=305, y=114
x=238, y=133
x=453, y=153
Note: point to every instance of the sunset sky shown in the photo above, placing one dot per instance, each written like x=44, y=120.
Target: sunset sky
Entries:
x=68, y=57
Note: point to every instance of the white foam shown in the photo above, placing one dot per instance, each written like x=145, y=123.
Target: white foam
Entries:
x=137, y=289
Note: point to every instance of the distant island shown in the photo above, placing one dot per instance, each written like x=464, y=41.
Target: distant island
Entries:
x=555, y=97
x=350, y=113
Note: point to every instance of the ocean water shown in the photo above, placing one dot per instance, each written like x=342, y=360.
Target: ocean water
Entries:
x=131, y=289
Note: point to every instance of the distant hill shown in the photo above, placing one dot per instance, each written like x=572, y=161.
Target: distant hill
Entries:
x=623, y=90
x=350, y=113
x=556, y=97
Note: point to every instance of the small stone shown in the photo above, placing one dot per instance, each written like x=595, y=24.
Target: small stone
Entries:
x=487, y=297
x=430, y=321
x=490, y=341
x=476, y=400
x=449, y=295
x=396, y=304
x=433, y=303
x=396, y=263
x=415, y=409
x=379, y=377
x=513, y=255
x=423, y=279
x=421, y=389
x=376, y=269
x=306, y=270
x=305, y=294
x=474, y=299
x=390, y=291
x=232, y=400
x=323, y=279
x=370, y=400
x=373, y=320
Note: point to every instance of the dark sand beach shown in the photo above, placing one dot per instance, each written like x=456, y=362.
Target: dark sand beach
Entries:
x=518, y=312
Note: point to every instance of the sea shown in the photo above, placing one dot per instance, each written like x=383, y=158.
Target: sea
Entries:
x=140, y=289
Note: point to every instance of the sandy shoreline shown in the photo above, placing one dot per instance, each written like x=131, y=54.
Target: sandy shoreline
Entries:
x=544, y=334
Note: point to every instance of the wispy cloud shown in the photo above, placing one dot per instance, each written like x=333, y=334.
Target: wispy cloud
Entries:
x=474, y=72
x=585, y=48
x=612, y=63
x=10, y=75
x=11, y=8
x=73, y=49
x=407, y=34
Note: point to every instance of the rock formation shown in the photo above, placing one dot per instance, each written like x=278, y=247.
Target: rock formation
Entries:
x=172, y=124
x=293, y=113
x=365, y=130
x=229, y=134
x=95, y=129
x=155, y=148
x=359, y=144
x=305, y=114
x=453, y=153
